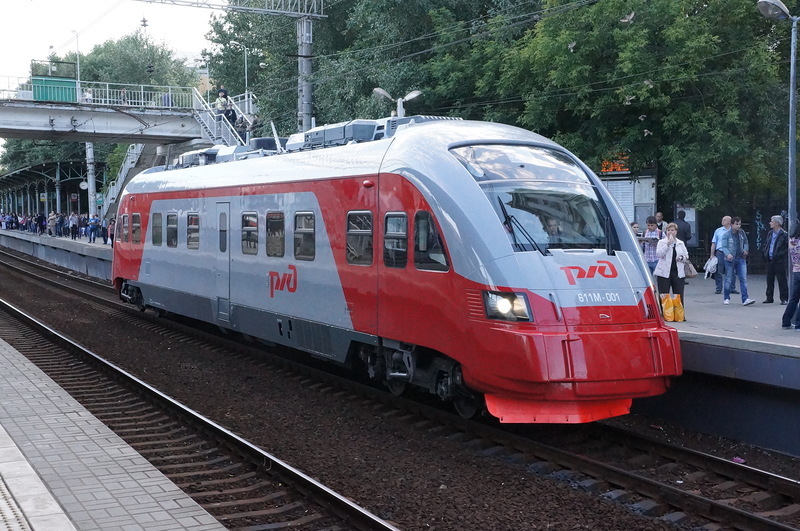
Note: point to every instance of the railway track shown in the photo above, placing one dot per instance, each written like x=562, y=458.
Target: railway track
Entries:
x=242, y=486
x=661, y=480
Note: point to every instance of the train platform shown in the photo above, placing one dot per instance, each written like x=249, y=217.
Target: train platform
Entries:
x=93, y=259
x=736, y=341
x=61, y=469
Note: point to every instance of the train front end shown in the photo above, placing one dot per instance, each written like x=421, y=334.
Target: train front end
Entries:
x=571, y=311
x=560, y=321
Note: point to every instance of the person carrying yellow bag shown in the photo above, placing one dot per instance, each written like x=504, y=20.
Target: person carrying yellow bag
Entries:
x=670, y=273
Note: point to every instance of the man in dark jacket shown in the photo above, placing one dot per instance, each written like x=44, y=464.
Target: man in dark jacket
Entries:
x=684, y=229
x=776, y=253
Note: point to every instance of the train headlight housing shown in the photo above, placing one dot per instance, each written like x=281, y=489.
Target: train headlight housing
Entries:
x=506, y=306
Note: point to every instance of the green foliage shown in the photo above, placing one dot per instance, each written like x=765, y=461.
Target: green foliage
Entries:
x=19, y=153
x=271, y=41
x=126, y=61
x=687, y=87
x=115, y=159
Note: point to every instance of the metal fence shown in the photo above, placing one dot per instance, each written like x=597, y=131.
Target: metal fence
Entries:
x=48, y=89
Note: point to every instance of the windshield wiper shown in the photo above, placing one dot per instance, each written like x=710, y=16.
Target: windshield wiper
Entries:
x=607, y=228
x=511, y=222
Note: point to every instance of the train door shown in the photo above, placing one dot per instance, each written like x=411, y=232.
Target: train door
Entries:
x=416, y=287
x=351, y=207
x=222, y=265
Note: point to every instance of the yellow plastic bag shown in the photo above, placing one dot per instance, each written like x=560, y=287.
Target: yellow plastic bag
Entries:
x=677, y=309
x=666, y=307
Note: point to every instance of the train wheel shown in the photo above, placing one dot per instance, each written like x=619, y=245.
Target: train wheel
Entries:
x=396, y=387
x=139, y=302
x=467, y=404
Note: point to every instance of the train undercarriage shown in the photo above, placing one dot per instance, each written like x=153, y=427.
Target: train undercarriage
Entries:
x=399, y=366
x=396, y=365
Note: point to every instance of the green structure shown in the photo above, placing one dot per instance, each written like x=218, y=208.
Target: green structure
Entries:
x=54, y=81
x=54, y=89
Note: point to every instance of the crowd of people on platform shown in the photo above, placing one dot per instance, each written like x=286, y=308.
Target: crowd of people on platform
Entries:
x=664, y=247
x=60, y=225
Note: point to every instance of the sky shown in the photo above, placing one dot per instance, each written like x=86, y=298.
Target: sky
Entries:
x=35, y=25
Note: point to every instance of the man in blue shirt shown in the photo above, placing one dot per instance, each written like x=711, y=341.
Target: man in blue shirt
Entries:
x=734, y=246
x=94, y=227
x=720, y=275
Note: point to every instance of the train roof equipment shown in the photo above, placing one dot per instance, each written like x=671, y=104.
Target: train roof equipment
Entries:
x=338, y=134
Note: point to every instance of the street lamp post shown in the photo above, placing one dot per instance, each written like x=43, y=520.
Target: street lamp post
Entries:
x=78, y=92
x=401, y=111
x=207, y=82
x=775, y=9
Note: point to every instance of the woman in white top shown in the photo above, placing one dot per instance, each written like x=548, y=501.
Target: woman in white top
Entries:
x=669, y=272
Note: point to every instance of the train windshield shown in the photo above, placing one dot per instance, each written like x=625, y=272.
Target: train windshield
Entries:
x=542, y=197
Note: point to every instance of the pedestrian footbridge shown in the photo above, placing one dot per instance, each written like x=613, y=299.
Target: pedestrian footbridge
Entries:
x=67, y=109
x=158, y=123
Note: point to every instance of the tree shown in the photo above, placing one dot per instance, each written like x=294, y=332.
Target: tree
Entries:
x=127, y=60
x=685, y=86
x=271, y=41
x=362, y=44
x=469, y=58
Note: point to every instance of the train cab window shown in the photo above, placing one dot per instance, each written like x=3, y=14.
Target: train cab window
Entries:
x=136, y=228
x=125, y=229
x=429, y=251
x=304, y=242
x=172, y=230
x=359, y=238
x=193, y=230
x=543, y=197
x=157, y=230
x=249, y=233
x=395, y=240
x=276, y=234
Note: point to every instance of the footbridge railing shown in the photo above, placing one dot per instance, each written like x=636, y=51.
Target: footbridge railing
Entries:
x=215, y=128
x=58, y=90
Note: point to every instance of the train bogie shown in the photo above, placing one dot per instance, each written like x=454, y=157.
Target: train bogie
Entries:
x=467, y=259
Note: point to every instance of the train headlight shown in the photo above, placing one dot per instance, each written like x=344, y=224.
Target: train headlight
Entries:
x=506, y=306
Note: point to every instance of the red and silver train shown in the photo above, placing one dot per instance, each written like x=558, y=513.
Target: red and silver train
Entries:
x=477, y=261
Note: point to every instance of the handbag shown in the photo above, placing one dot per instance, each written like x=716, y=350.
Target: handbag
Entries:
x=689, y=269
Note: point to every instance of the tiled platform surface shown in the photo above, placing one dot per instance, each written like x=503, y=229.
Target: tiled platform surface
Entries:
x=62, y=469
x=710, y=321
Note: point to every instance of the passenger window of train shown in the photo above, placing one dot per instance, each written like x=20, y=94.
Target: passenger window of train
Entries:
x=276, y=234
x=125, y=228
x=249, y=233
x=157, y=229
x=395, y=240
x=172, y=230
x=429, y=252
x=136, y=228
x=223, y=232
x=193, y=230
x=304, y=243
x=359, y=238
